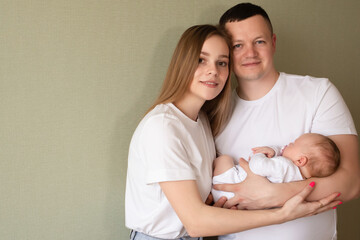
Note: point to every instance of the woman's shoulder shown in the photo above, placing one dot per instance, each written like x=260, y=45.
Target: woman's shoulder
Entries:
x=164, y=112
x=162, y=116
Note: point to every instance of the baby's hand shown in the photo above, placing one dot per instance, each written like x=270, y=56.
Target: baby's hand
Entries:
x=269, y=152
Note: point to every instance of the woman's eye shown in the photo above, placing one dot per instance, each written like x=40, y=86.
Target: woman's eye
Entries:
x=223, y=64
x=201, y=60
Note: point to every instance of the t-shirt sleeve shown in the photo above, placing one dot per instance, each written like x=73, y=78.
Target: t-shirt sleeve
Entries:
x=332, y=116
x=165, y=154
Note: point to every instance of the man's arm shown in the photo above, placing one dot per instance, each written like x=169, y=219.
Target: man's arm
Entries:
x=346, y=179
x=256, y=192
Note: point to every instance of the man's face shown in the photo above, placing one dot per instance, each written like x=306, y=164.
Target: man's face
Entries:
x=253, y=48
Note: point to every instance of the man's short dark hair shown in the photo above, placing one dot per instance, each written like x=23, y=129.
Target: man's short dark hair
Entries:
x=243, y=11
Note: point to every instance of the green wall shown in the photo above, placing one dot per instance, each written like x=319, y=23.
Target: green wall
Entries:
x=77, y=75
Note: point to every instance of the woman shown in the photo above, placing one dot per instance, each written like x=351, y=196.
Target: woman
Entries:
x=172, y=150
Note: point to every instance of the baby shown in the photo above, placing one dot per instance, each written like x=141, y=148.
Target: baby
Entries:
x=311, y=155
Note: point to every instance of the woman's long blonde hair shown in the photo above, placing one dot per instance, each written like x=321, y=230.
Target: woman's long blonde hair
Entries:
x=181, y=72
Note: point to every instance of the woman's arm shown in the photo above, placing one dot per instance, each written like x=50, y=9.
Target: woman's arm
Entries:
x=257, y=193
x=200, y=219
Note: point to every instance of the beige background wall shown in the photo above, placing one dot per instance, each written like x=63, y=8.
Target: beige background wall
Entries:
x=76, y=77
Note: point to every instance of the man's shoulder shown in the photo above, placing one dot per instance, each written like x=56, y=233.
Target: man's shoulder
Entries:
x=305, y=82
x=303, y=78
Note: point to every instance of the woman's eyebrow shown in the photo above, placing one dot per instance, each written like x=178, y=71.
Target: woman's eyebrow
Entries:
x=220, y=56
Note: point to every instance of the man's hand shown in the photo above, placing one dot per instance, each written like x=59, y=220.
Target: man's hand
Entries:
x=269, y=152
x=255, y=192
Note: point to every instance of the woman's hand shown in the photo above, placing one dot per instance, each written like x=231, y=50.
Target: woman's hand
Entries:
x=297, y=207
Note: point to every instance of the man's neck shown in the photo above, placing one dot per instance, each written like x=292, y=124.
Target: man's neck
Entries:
x=251, y=90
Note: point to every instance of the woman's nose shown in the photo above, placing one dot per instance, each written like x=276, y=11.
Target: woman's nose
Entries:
x=212, y=70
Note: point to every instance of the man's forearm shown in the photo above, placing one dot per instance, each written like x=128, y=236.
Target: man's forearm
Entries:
x=342, y=181
x=281, y=192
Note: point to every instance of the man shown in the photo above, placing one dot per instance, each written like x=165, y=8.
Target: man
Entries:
x=273, y=108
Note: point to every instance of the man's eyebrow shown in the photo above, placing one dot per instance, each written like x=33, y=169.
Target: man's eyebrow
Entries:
x=240, y=40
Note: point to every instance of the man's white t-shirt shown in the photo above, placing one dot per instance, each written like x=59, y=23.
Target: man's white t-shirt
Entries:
x=166, y=146
x=294, y=106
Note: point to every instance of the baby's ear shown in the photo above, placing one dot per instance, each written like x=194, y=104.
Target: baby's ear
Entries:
x=302, y=161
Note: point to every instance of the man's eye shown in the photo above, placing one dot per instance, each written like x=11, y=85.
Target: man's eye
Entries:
x=237, y=46
x=260, y=42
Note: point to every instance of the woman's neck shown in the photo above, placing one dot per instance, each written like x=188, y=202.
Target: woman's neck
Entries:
x=188, y=107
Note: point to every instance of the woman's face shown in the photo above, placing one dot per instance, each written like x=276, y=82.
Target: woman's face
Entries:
x=213, y=70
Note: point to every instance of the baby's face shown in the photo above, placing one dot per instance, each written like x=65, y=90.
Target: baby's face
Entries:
x=294, y=150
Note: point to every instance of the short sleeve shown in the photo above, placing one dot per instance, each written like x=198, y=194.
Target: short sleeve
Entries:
x=332, y=115
x=165, y=155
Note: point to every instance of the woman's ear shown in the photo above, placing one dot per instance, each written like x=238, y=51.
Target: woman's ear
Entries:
x=302, y=161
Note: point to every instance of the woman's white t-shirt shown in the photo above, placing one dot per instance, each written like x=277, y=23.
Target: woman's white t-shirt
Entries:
x=166, y=146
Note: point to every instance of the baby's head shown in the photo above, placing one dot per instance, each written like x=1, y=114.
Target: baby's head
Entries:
x=315, y=155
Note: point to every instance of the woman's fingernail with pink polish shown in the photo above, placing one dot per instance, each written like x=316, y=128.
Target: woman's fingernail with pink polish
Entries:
x=338, y=195
x=312, y=184
x=340, y=203
x=334, y=207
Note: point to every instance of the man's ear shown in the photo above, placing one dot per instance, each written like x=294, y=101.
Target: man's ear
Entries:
x=273, y=41
x=302, y=161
